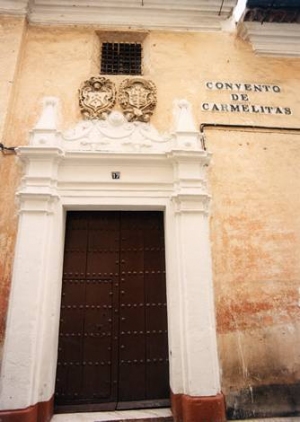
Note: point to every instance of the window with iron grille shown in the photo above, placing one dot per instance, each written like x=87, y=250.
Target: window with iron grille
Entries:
x=121, y=58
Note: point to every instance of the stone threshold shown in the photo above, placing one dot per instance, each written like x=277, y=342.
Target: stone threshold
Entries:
x=149, y=415
x=274, y=419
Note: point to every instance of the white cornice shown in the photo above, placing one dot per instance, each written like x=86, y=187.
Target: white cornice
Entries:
x=272, y=39
x=14, y=7
x=147, y=14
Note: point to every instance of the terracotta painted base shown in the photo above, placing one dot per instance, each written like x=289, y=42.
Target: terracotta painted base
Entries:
x=198, y=409
x=40, y=412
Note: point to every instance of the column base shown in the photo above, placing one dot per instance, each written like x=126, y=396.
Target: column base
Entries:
x=40, y=412
x=198, y=409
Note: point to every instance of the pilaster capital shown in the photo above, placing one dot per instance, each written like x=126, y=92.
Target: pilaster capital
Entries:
x=192, y=203
x=38, y=189
x=37, y=202
x=33, y=152
x=178, y=155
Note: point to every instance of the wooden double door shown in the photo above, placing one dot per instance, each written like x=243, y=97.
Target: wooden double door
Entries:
x=113, y=347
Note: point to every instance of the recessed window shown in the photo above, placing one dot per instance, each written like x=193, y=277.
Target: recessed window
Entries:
x=121, y=58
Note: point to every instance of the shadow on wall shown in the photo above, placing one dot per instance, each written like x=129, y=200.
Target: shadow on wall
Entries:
x=264, y=401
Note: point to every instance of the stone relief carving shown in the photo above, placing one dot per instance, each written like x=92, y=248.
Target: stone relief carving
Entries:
x=97, y=97
x=114, y=134
x=137, y=97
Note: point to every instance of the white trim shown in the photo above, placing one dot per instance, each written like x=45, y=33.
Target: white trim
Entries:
x=156, y=173
x=272, y=39
x=14, y=7
x=197, y=15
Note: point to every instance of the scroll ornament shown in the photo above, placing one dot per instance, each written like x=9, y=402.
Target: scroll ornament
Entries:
x=137, y=97
x=97, y=97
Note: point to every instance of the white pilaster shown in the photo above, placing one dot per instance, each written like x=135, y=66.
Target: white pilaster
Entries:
x=30, y=318
x=31, y=331
x=200, y=366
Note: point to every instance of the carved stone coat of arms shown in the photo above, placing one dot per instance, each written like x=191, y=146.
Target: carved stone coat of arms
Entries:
x=97, y=97
x=137, y=97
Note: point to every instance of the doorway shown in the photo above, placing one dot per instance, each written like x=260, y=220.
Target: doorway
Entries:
x=113, y=341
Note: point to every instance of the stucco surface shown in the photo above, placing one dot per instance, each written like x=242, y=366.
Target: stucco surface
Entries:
x=255, y=242
x=254, y=176
x=11, y=39
x=11, y=42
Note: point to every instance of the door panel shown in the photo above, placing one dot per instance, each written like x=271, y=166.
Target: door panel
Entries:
x=113, y=334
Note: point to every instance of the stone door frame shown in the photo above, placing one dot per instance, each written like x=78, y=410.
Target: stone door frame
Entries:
x=73, y=171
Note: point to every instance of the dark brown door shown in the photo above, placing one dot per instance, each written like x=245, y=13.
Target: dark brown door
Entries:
x=113, y=348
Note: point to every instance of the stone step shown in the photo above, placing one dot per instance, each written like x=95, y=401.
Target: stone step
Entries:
x=145, y=415
x=148, y=419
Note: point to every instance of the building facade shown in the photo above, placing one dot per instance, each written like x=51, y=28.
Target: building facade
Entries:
x=202, y=134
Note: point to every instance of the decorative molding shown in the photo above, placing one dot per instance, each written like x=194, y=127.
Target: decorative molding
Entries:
x=183, y=118
x=38, y=188
x=137, y=97
x=155, y=173
x=45, y=132
x=272, y=14
x=114, y=134
x=13, y=7
x=97, y=96
x=36, y=202
x=186, y=135
x=199, y=15
x=272, y=39
x=192, y=203
x=48, y=118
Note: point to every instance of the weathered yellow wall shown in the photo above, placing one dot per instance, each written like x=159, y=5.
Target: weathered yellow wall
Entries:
x=11, y=38
x=255, y=181
x=254, y=177
x=11, y=48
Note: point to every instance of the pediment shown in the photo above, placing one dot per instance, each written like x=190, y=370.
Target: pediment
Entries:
x=115, y=134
